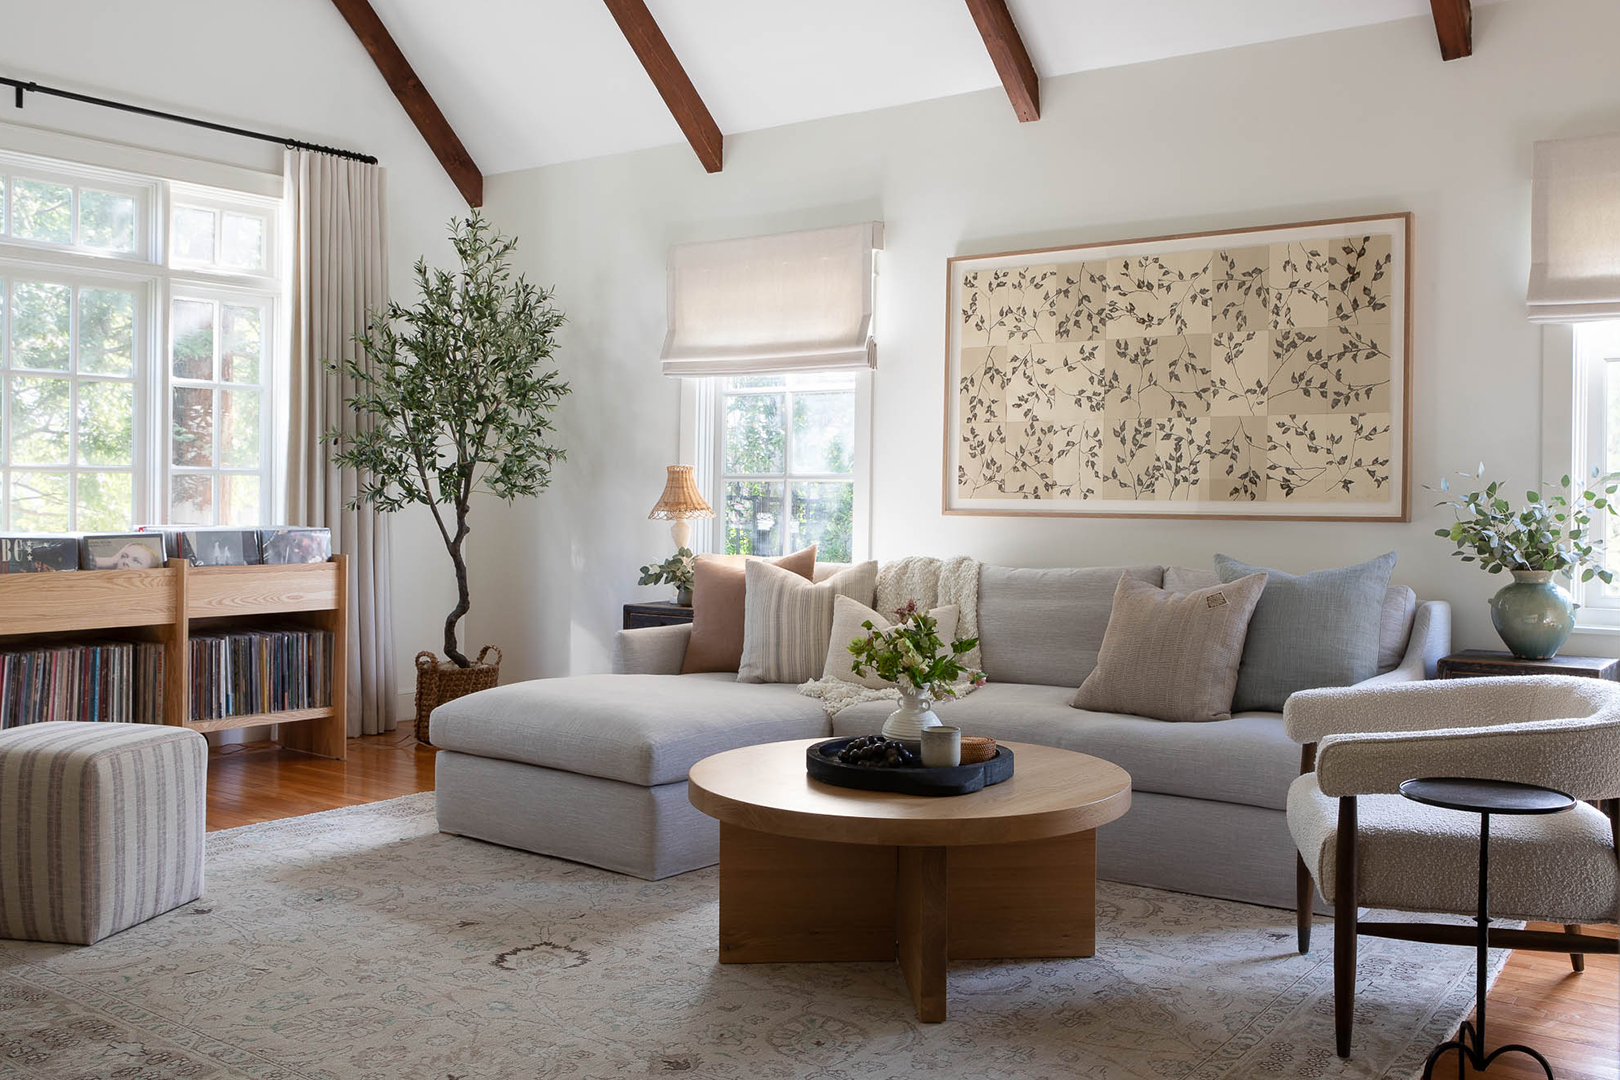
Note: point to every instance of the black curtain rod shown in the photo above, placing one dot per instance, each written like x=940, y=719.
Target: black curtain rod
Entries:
x=296, y=144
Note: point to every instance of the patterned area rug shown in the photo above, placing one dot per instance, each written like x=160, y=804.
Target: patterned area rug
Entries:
x=361, y=944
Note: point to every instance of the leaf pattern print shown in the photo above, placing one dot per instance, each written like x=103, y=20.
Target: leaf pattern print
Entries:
x=1259, y=374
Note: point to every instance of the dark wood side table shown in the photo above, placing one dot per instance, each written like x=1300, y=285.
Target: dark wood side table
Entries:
x=1475, y=663
x=657, y=613
x=1483, y=797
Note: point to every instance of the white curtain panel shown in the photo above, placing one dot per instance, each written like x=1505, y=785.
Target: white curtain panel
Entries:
x=798, y=301
x=1575, y=230
x=340, y=274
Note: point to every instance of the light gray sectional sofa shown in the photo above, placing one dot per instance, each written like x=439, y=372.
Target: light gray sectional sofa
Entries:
x=593, y=768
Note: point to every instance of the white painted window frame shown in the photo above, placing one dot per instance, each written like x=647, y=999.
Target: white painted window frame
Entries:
x=703, y=443
x=1577, y=361
x=148, y=270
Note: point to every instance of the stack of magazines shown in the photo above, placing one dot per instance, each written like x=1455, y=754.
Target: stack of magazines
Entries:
x=244, y=673
x=116, y=681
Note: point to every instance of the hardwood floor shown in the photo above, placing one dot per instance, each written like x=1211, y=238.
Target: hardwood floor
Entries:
x=252, y=782
x=1573, y=1019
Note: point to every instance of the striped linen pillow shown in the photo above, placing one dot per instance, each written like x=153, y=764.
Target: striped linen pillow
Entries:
x=787, y=620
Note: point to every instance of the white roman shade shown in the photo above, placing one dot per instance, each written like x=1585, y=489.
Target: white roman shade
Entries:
x=798, y=301
x=1575, y=230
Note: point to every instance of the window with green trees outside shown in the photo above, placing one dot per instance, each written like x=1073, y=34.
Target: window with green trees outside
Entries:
x=788, y=463
x=137, y=320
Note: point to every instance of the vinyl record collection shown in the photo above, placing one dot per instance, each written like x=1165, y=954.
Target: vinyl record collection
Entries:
x=117, y=681
x=243, y=673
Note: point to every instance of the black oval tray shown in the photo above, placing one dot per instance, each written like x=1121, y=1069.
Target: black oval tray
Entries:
x=821, y=761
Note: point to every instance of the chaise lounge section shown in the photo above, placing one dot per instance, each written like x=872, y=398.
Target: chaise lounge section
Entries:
x=593, y=768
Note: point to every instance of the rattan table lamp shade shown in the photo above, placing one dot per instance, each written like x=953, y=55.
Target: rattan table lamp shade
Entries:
x=680, y=502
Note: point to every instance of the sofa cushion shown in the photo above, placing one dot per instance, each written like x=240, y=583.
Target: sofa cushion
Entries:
x=1394, y=621
x=1045, y=626
x=1395, y=626
x=1185, y=579
x=1248, y=759
x=642, y=729
x=719, y=590
x=1309, y=630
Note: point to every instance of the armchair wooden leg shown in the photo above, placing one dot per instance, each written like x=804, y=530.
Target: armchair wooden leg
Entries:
x=1345, y=894
x=1576, y=960
x=1304, y=897
x=1304, y=887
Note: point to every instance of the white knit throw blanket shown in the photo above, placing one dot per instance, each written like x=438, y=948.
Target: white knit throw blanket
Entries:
x=932, y=583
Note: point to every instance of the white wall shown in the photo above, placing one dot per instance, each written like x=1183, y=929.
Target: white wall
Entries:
x=1354, y=122
x=290, y=67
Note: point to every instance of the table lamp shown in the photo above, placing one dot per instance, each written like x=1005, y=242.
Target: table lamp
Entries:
x=679, y=504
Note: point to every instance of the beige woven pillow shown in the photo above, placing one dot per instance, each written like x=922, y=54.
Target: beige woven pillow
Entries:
x=1172, y=656
x=787, y=620
x=848, y=615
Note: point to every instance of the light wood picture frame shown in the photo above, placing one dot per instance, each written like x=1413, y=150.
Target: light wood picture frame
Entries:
x=1259, y=373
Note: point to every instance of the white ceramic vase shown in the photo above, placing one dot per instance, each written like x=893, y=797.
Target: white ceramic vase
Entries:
x=907, y=722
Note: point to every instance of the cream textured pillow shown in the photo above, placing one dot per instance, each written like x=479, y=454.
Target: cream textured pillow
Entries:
x=1172, y=656
x=787, y=620
x=848, y=615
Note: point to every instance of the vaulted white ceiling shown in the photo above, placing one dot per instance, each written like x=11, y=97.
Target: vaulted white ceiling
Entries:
x=534, y=82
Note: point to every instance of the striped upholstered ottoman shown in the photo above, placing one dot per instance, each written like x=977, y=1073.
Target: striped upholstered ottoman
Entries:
x=101, y=827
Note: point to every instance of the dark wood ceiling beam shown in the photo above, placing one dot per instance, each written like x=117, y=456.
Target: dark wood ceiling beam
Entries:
x=1007, y=52
x=418, y=103
x=1454, y=25
x=666, y=73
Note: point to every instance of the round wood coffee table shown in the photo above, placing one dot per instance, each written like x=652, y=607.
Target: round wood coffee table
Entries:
x=811, y=872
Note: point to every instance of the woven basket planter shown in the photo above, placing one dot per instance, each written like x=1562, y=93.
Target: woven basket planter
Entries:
x=439, y=681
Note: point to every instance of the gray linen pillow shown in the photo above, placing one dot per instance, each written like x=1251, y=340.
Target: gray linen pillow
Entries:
x=1171, y=656
x=1309, y=630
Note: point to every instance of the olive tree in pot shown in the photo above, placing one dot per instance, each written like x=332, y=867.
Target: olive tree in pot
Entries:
x=454, y=395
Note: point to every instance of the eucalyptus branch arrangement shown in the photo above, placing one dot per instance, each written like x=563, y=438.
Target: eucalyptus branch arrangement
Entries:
x=677, y=570
x=454, y=395
x=911, y=651
x=1563, y=532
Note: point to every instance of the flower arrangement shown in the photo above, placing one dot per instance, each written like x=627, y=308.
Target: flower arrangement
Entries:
x=911, y=655
x=1560, y=533
x=677, y=570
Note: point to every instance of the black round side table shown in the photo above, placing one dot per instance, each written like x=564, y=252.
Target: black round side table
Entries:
x=1483, y=797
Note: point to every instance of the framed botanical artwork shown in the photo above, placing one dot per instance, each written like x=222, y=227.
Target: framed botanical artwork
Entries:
x=1258, y=373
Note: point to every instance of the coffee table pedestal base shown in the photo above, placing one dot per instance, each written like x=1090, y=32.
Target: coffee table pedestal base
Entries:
x=785, y=900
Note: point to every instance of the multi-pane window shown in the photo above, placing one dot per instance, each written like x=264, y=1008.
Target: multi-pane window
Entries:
x=56, y=212
x=68, y=356
x=787, y=473
x=137, y=343
x=216, y=379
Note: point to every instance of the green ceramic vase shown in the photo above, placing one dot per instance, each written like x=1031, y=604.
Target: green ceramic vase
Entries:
x=1533, y=615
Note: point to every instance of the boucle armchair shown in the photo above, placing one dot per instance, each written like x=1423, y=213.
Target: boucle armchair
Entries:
x=1365, y=845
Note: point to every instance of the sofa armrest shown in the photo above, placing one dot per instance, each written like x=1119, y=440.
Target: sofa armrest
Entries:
x=1430, y=640
x=651, y=650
